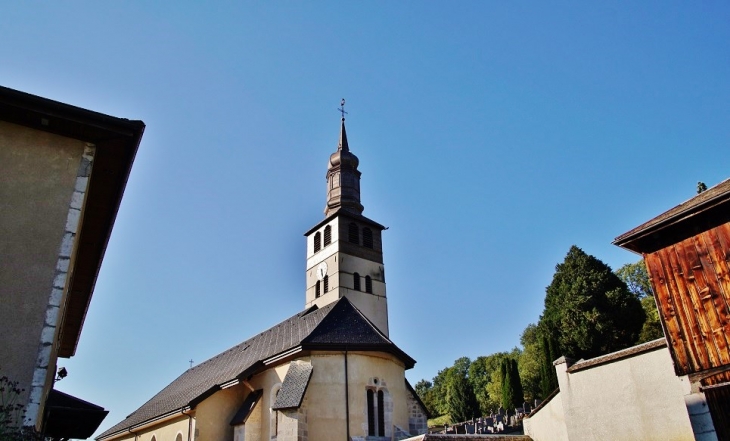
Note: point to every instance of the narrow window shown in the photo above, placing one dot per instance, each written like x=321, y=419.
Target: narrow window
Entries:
x=326, y=283
x=367, y=237
x=327, y=235
x=317, y=241
x=368, y=284
x=353, y=233
x=381, y=414
x=317, y=292
x=356, y=281
x=371, y=413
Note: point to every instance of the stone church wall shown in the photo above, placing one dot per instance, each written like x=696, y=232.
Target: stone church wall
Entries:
x=417, y=419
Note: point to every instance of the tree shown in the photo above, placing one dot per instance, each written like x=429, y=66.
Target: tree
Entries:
x=529, y=362
x=548, y=377
x=588, y=309
x=512, y=394
x=424, y=390
x=637, y=280
x=462, y=402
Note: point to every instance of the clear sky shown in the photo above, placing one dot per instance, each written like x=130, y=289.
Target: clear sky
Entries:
x=492, y=136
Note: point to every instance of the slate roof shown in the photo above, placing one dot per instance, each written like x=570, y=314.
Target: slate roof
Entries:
x=336, y=326
x=295, y=384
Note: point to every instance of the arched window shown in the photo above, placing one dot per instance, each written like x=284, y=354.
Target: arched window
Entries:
x=317, y=291
x=356, y=281
x=317, y=241
x=353, y=233
x=327, y=235
x=179, y=437
x=371, y=413
x=326, y=283
x=368, y=284
x=381, y=414
x=367, y=237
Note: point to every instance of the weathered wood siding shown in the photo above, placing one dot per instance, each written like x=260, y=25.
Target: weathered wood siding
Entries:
x=691, y=280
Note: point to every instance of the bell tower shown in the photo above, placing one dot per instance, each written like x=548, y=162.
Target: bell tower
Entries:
x=344, y=250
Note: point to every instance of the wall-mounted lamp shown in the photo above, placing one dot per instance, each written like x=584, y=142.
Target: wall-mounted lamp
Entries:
x=61, y=374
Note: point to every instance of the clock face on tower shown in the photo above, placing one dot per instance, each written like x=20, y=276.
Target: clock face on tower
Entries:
x=322, y=270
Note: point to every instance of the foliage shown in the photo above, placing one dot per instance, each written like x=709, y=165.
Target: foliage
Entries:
x=512, y=394
x=463, y=404
x=529, y=362
x=424, y=390
x=652, y=328
x=588, y=309
x=11, y=413
x=548, y=351
x=637, y=279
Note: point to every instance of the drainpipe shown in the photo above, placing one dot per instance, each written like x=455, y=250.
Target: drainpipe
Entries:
x=347, y=399
x=190, y=425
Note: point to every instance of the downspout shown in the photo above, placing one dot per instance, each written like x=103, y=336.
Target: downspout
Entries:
x=190, y=425
x=347, y=399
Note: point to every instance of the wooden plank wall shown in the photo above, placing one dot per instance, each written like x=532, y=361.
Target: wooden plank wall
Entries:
x=691, y=280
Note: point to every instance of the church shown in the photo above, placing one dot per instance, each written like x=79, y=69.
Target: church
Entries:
x=329, y=372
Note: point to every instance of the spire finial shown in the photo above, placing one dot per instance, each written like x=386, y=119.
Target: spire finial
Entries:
x=342, y=109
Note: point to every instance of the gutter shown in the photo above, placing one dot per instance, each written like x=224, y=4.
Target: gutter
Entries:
x=147, y=424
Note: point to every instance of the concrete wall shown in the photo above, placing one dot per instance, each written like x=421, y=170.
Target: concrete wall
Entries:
x=634, y=398
x=39, y=173
x=548, y=423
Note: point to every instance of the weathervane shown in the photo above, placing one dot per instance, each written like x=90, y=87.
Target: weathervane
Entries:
x=342, y=109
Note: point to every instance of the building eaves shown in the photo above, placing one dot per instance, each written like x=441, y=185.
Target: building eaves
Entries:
x=345, y=213
x=116, y=141
x=706, y=210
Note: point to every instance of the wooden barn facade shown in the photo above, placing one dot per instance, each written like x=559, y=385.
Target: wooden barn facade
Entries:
x=687, y=254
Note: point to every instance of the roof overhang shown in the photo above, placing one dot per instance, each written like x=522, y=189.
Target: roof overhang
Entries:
x=116, y=141
x=345, y=213
x=700, y=213
x=69, y=417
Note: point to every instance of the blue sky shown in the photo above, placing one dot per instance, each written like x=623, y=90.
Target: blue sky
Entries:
x=492, y=136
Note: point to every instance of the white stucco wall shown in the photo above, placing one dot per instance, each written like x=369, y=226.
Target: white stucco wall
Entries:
x=634, y=398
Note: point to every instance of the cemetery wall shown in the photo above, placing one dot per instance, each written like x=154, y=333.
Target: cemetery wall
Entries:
x=627, y=395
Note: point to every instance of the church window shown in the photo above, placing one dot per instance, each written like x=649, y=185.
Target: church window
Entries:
x=317, y=291
x=367, y=237
x=371, y=413
x=353, y=233
x=326, y=283
x=376, y=411
x=356, y=281
x=381, y=413
x=327, y=235
x=179, y=437
x=317, y=242
x=368, y=284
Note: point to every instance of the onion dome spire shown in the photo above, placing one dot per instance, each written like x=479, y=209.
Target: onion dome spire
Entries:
x=343, y=177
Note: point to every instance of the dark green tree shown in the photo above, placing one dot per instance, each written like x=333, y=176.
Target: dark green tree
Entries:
x=512, y=394
x=462, y=402
x=588, y=309
x=548, y=377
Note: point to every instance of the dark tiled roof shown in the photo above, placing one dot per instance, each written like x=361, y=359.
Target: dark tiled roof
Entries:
x=704, y=201
x=332, y=326
x=247, y=407
x=295, y=384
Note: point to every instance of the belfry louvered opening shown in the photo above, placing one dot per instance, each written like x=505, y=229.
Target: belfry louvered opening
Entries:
x=327, y=235
x=317, y=241
x=356, y=281
x=353, y=233
x=367, y=237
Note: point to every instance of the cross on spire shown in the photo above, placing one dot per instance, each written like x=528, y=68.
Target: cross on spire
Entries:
x=342, y=109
